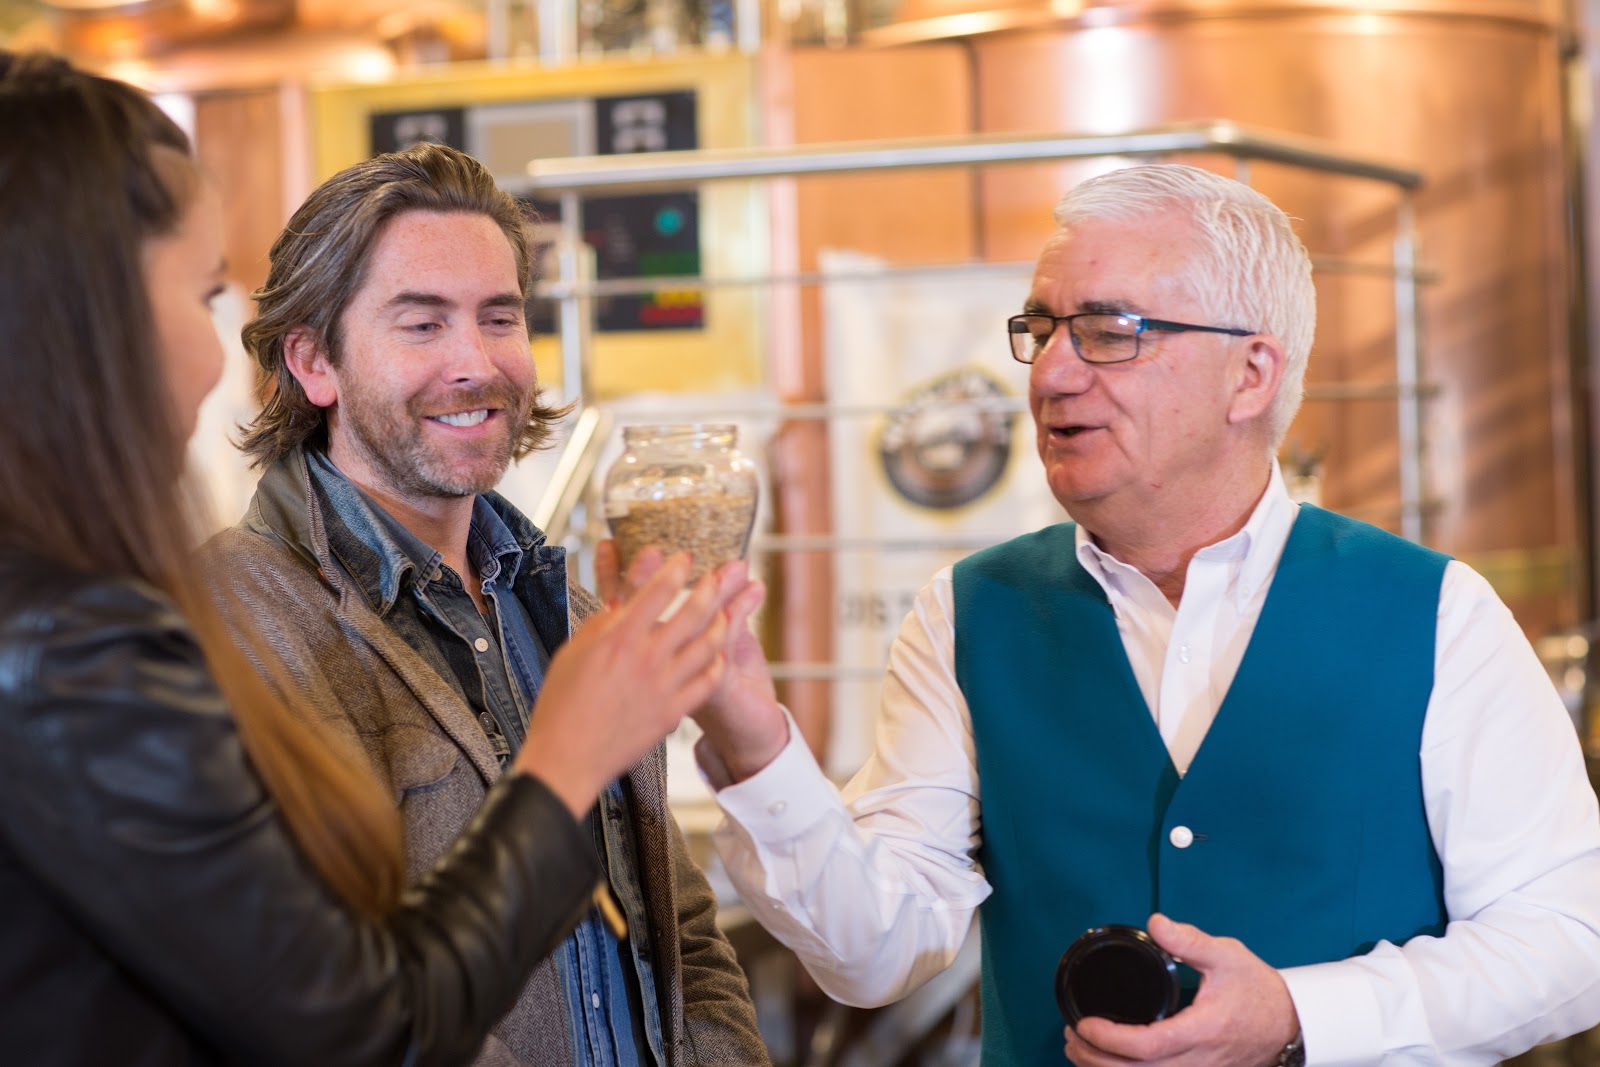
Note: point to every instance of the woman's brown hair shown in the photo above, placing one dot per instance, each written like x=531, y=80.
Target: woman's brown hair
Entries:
x=93, y=453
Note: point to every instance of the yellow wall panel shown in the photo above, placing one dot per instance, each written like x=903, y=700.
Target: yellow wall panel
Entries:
x=727, y=352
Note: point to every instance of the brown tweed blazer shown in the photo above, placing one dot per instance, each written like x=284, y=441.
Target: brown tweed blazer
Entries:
x=275, y=571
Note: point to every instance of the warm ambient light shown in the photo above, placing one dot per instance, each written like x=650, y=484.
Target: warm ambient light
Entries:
x=214, y=10
x=92, y=5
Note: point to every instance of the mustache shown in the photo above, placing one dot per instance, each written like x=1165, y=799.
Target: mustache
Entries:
x=494, y=395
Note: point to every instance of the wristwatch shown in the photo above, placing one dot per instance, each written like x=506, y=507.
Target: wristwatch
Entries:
x=1293, y=1054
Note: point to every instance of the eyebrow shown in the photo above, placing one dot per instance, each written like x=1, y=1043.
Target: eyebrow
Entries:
x=1088, y=307
x=505, y=300
x=413, y=298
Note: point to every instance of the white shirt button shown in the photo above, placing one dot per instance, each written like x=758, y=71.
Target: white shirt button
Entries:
x=594, y=998
x=481, y=644
x=777, y=807
x=1183, y=653
x=1181, y=837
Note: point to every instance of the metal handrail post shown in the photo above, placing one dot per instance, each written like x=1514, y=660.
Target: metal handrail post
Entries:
x=1407, y=345
x=575, y=264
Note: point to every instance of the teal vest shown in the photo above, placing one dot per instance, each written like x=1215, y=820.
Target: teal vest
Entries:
x=1311, y=842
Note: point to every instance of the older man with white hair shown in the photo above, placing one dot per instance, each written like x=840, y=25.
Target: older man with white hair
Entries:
x=1321, y=763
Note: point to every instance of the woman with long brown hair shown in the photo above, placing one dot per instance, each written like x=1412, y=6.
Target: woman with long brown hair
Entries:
x=190, y=873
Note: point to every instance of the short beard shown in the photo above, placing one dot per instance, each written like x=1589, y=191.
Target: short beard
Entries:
x=396, y=451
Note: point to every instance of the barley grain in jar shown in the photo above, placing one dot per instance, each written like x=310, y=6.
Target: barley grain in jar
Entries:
x=683, y=487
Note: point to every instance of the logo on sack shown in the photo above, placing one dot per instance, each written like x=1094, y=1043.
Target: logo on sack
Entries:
x=943, y=448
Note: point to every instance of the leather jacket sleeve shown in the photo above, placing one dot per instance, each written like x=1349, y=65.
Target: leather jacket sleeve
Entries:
x=124, y=790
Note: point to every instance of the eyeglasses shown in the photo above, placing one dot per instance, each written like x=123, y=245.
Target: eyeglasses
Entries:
x=1096, y=337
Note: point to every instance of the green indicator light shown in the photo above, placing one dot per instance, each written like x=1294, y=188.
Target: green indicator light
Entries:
x=669, y=220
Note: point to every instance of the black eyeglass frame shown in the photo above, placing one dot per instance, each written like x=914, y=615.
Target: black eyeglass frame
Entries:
x=1141, y=325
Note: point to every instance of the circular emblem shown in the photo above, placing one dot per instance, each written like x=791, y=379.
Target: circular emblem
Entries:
x=941, y=451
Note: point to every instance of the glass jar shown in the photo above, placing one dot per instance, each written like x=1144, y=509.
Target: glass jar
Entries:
x=683, y=487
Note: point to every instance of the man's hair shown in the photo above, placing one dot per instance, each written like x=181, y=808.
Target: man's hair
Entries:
x=1249, y=268
x=319, y=263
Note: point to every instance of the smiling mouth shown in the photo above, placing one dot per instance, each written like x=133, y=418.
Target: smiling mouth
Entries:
x=462, y=418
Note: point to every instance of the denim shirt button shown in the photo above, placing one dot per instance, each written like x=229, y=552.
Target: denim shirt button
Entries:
x=481, y=644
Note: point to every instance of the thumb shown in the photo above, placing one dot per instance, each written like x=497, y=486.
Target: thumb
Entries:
x=745, y=604
x=1189, y=943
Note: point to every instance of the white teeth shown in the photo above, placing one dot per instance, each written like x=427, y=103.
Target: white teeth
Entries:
x=464, y=418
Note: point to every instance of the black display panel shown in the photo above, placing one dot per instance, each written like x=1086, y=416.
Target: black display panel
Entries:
x=394, y=130
x=645, y=122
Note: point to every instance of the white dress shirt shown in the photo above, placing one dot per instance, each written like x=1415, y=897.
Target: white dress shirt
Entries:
x=875, y=889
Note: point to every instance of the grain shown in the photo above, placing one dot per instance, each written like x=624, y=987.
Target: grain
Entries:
x=712, y=526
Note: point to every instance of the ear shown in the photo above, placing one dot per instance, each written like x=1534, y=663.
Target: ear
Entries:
x=1259, y=375
x=309, y=364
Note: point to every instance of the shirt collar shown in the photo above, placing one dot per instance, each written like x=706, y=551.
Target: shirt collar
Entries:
x=1257, y=546
x=374, y=547
x=384, y=558
x=492, y=545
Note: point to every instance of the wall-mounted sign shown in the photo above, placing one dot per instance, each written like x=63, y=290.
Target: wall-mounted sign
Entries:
x=394, y=130
x=657, y=122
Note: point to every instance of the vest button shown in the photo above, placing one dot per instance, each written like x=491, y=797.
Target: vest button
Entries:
x=1181, y=837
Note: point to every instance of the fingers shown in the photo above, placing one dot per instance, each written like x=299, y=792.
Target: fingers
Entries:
x=711, y=595
x=744, y=605
x=637, y=612
x=607, y=580
x=646, y=562
x=615, y=586
x=1084, y=1052
x=699, y=687
x=1126, y=1043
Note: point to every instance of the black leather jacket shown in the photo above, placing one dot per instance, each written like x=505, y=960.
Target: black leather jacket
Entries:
x=153, y=908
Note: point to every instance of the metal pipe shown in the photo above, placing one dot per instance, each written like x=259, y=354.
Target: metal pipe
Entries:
x=558, y=289
x=1005, y=405
x=579, y=457
x=558, y=31
x=496, y=28
x=832, y=672
x=1408, y=403
x=663, y=169
x=831, y=543
x=1014, y=405
x=576, y=267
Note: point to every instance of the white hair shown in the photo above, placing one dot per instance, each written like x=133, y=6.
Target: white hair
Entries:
x=1249, y=267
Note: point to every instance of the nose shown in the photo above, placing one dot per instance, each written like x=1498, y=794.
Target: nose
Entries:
x=1057, y=370
x=469, y=359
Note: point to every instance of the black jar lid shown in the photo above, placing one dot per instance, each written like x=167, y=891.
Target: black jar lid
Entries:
x=1118, y=973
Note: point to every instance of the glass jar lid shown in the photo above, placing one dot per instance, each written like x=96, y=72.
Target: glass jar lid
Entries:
x=1118, y=973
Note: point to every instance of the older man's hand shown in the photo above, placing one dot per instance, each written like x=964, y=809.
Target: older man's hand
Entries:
x=1241, y=1017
